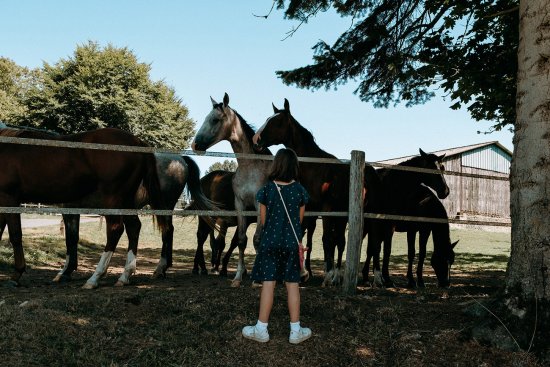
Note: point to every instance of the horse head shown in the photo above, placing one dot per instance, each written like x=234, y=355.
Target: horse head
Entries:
x=435, y=181
x=275, y=130
x=441, y=262
x=217, y=125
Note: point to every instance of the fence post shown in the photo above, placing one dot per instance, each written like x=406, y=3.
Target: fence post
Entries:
x=355, y=221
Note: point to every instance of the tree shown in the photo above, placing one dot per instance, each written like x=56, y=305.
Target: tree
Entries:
x=400, y=50
x=528, y=273
x=226, y=165
x=107, y=87
x=15, y=82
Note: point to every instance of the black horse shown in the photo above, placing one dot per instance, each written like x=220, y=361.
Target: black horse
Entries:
x=396, y=192
x=426, y=204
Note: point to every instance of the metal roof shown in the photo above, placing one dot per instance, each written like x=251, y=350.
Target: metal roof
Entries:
x=452, y=152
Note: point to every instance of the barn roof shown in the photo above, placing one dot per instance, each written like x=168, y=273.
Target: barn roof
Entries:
x=453, y=151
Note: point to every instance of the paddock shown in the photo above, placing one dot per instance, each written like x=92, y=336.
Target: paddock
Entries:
x=195, y=320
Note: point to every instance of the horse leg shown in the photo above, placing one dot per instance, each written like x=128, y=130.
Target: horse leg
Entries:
x=310, y=229
x=203, y=230
x=114, y=228
x=241, y=228
x=72, y=227
x=411, y=238
x=422, y=241
x=232, y=246
x=133, y=226
x=340, y=239
x=165, y=260
x=217, y=245
x=16, y=239
x=386, y=262
x=328, y=249
x=3, y=223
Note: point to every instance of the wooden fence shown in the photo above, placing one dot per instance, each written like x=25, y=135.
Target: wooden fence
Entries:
x=355, y=209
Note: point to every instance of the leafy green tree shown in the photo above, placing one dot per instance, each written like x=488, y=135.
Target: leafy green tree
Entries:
x=108, y=87
x=226, y=165
x=400, y=51
x=15, y=82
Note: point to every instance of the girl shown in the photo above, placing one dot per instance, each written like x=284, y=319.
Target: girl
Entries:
x=278, y=255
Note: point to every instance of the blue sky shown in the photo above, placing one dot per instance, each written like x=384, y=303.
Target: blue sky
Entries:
x=205, y=48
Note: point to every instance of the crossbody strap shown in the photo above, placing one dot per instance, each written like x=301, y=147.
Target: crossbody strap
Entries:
x=287, y=215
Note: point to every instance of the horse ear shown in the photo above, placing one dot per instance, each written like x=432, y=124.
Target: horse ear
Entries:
x=422, y=152
x=225, y=100
x=454, y=244
x=275, y=109
x=287, y=106
x=440, y=158
x=213, y=101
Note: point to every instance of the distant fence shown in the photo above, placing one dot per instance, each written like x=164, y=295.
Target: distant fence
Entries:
x=355, y=208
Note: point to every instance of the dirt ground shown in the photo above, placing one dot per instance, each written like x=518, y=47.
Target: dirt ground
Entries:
x=191, y=320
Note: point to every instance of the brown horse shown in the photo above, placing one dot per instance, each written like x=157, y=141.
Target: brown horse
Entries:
x=327, y=184
x=218, y=187
x=78, y=177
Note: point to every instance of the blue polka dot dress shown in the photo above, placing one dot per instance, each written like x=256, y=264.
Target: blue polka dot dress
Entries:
x=277, y=257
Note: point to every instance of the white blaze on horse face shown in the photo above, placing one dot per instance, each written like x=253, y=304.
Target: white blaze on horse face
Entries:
x=129, y=268
x=100, y=270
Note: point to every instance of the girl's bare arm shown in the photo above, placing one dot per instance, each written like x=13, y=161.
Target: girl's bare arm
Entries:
x=302, y=211
x=262, y=213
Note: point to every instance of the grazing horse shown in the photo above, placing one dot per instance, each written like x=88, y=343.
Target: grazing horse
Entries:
x=425, y=204
x=79, y=177
x=224, y=123
x=327, y=184
x=396, y=193
x=218, y=187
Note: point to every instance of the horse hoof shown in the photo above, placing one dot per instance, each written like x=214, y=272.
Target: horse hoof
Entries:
x=389, y=284
x=411, y=284
x=235, y=284
x=195, y=271
x=214, y=271
x=120, y=283
x=62, y=279
x=204, y=272
x=159, y=275
x=89, y=286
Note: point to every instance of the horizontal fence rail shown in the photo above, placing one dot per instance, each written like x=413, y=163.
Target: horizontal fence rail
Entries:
x=224, y=213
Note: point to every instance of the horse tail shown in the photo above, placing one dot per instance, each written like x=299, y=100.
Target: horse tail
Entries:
x=152, y=186
x=199, y=200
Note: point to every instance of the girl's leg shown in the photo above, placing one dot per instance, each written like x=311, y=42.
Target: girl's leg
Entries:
x=293, y=294
x=266, y=300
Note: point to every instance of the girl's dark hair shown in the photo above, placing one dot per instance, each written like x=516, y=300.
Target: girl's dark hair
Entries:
x=285, y=166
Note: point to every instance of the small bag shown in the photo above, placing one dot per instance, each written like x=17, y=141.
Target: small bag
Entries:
x=301, y=249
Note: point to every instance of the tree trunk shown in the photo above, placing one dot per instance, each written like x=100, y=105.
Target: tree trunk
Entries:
x=525, y=306
x=528, y=268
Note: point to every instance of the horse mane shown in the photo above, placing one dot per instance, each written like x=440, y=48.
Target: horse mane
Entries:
x=249, y=132
x=309, y=140
x=411, y=162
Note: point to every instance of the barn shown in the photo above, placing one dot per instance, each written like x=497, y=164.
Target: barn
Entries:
x=476, y=198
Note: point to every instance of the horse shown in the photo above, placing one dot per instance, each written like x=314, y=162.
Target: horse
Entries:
x=218, y=187
x=327, y=184
x=224, y=123
x=79, y=177
x=396, y=192
x=426, y=204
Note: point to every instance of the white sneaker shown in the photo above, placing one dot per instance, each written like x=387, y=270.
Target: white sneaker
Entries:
x=296, y=337
x=252, y=332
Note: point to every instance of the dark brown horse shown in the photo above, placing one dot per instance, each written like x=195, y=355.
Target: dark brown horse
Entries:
x=425, y=204
x=79, y=178
x=397, y=193
x=218, y=187
x=327, y=184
